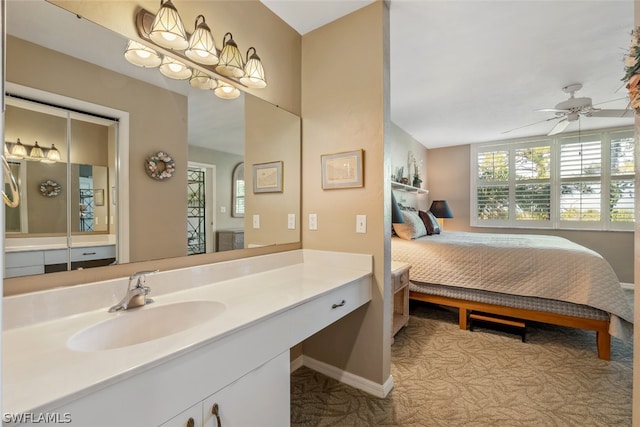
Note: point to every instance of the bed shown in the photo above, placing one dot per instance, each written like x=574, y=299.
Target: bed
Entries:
x=539, y=278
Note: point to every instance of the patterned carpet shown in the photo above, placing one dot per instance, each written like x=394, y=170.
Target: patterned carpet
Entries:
x=445, y=376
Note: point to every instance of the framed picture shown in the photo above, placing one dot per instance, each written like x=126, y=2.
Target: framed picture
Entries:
x=267, y=177
x=98, y=197
x=343, y=170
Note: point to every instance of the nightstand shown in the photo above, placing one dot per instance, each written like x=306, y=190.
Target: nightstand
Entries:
x=400, y=285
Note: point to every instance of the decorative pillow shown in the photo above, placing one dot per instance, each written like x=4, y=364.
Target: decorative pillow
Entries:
x=412, y=228
x=430, y=222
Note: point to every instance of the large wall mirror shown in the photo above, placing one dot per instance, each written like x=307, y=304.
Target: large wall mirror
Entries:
x=141, y=219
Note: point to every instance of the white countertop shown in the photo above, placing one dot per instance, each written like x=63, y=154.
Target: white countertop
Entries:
x=40, y=373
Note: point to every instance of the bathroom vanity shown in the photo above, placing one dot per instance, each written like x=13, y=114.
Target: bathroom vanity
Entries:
x=212, y=349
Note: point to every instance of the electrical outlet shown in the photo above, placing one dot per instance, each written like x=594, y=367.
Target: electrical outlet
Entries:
x=223, y=209
x=361, y=223
x=256, y=221
x=313, y=221
x=291, y=221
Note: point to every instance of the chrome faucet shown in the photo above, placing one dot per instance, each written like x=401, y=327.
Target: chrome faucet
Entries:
x=136, y=292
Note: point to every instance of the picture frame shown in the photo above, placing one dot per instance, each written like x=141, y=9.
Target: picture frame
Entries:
x=343, y=170
x=98, y=197
x=267, y=177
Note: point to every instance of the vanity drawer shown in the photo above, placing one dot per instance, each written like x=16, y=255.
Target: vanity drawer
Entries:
x=24, y=259
x=57, y=256
x=93, y=252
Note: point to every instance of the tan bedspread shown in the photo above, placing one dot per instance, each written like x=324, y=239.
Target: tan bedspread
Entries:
x=527, y=265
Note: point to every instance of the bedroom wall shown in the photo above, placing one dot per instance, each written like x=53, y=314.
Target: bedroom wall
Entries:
x=449, y=178
x=401, y=143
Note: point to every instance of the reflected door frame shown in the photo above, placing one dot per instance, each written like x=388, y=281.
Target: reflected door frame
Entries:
x=210, y=202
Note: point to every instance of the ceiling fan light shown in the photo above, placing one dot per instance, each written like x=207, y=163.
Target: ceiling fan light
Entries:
x=202, y=48
x=202, y=81
x=174, y=69
x=226, y=91
x=19, y=150
x=230, y=64
x=167, y=29
x=253, y=71
x=141, y=55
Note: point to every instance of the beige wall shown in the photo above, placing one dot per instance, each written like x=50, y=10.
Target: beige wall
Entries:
x=401, y=144
x=448, y=173
x=345, y=107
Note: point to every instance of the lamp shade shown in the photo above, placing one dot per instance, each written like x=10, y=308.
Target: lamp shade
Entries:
x=440, y=209
x=226, y=91
x=230, y=64
x=253, y=71
x=19, y=150
x=167, y=29
x=141, y=55
x=396, y=213
x=202, y=48
x=36, y=152
x=174, y=69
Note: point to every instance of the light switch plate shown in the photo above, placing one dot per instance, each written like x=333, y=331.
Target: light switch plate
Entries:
x=256, y=221
x=361, y=223
x=291, y=221
x=223, y=209
x=313, y=221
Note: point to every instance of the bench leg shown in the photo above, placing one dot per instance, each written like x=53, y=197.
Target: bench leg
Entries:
x=604, y=345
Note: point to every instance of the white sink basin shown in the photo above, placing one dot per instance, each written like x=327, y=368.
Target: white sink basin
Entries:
x=144, y=324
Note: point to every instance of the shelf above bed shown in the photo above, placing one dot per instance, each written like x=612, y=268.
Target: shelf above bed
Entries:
x=407, y=188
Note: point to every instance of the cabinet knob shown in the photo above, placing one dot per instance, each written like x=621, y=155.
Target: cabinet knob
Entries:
x=216, y=411
x=191, y=422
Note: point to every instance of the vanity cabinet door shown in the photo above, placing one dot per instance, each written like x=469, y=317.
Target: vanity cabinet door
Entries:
x=259, y=398
x=192, y=417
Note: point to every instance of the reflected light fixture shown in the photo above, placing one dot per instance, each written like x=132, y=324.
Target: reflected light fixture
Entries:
x=230, y=59
x=141, y=55
x=202, y=48
x=19, y=150
x=174, y=69
x=253, y=71
x=53, y=155
x=202, y=80
x=36, y=152
x=226, y=91
x=167, y=29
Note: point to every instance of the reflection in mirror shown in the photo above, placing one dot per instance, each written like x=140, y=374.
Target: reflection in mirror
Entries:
x=198, y=129
x=64, y=221
x=237, y=203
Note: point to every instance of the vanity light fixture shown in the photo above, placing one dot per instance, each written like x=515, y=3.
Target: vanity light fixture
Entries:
x=141, y=55
x=226, y=91
x=230, y=59
x=36, y=152
x=253, y=71
x=202, y=48
x=202, y=80
x=19, y=150
x=174, y=69
x=53, y=155
x=167, y=29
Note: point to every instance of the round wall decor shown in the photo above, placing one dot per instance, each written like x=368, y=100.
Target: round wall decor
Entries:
x=159, y=166
x=50, y=188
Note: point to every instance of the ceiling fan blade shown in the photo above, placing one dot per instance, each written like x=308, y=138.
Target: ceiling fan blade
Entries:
x=530, y=124
x=552, y=110
x=611, y=113
x=559, y=127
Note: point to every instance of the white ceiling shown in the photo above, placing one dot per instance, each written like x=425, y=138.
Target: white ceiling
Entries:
x=467, y=71
x=461, y=71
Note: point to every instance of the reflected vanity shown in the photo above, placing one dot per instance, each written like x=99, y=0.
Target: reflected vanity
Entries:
x=131, y=216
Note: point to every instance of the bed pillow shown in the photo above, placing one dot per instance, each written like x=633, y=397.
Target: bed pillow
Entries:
x=430, y=222
x=412, y=228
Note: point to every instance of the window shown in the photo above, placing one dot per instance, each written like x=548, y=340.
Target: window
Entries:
x=568, y=181
x=237, y=207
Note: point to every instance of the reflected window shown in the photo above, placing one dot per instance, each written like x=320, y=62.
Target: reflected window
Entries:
x=238, y=191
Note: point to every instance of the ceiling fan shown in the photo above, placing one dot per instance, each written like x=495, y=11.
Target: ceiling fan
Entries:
x=570, y=110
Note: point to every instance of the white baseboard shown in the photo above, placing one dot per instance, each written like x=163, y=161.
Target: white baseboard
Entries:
x=368, y=386
x=296, y=364
x=628, y=286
